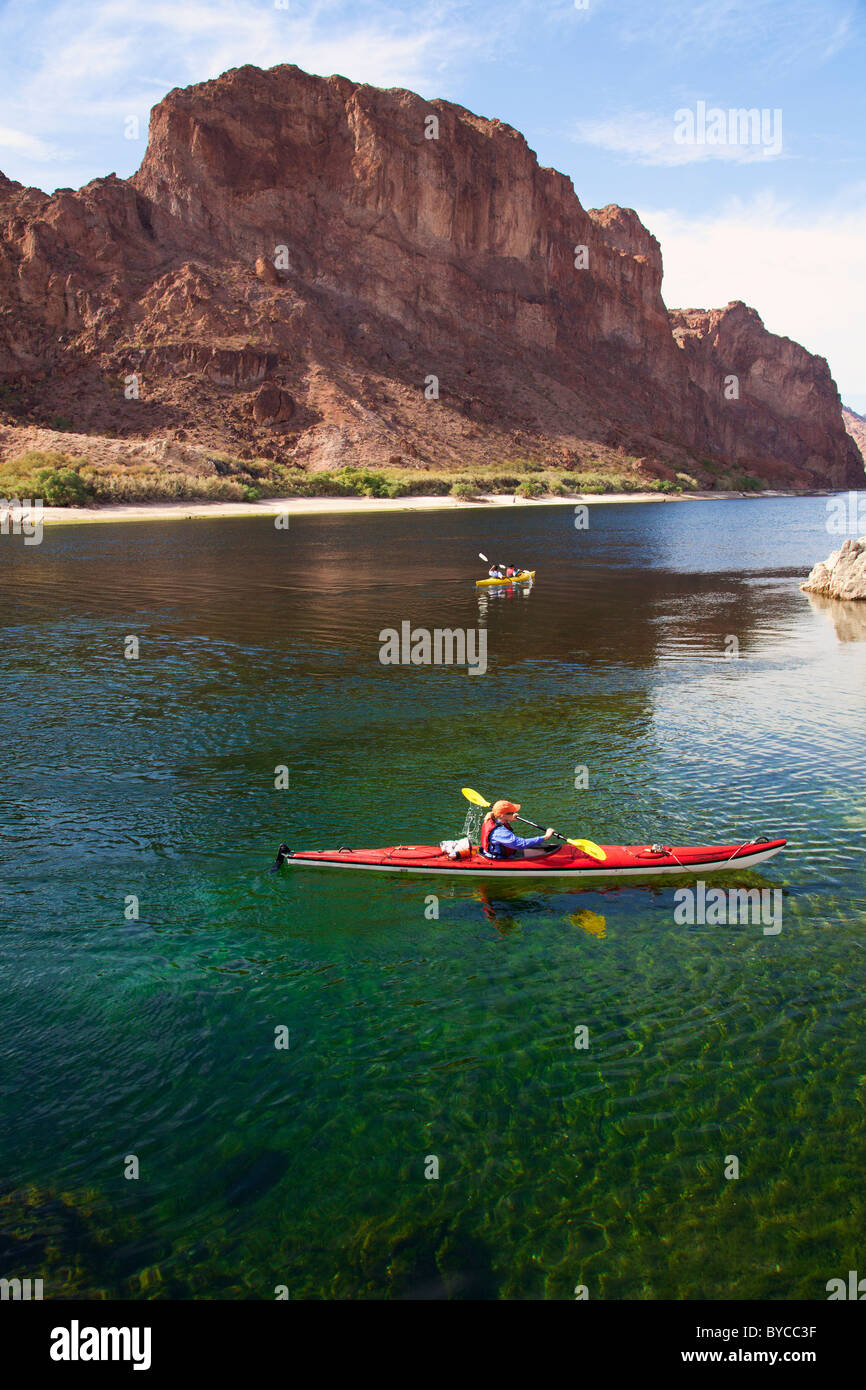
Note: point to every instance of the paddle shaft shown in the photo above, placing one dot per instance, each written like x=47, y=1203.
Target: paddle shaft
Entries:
x=588, y=846
x=534, y=823
x=500, y=565
x=540, y=827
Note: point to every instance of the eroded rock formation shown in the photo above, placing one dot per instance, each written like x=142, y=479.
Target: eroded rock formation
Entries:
x=856, y=426
x=302, y=242
x=843, y=574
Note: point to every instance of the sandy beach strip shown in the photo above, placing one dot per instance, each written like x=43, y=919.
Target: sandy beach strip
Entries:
x=310, y=506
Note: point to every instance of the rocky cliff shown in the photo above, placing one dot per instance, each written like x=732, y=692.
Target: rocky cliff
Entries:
x=770, y=405
x=324, y=273
x=856, y=426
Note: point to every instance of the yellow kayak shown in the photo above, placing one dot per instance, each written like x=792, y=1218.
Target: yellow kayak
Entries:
x=524, y=577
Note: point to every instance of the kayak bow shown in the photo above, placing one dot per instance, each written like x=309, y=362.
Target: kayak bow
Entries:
x=622, y=861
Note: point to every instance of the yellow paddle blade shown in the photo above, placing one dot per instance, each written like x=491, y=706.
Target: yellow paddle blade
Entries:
x=474, y=797
x=589, y=847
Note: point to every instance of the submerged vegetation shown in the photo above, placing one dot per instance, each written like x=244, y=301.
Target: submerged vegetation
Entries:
x=62, y=480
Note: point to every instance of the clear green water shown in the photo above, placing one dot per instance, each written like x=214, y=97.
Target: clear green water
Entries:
x=409, y=1036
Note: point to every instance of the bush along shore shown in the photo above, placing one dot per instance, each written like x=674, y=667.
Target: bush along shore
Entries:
x=62, y=480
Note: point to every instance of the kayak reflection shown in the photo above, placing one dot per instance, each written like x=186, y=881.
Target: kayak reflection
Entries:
x=509, y=906
x=591, y=922
x=502, y=591
x=498, y=912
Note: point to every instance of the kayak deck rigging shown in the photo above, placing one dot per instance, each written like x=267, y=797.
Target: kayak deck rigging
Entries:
x=622, y=861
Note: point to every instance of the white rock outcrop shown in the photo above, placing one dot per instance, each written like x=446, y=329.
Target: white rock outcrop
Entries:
x=842, y=575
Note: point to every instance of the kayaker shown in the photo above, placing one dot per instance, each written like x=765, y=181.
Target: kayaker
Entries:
x=498, y=840
x=510, y=572
x=495, y=572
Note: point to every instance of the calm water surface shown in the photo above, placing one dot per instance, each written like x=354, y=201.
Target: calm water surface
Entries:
x=413, y=1036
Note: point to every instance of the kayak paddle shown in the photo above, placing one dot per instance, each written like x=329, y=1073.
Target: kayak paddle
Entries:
x=588, y=846
x=502, y=565
x=487, y=562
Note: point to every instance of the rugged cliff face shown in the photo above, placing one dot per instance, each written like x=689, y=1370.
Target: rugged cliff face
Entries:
x=856, y=426
x=770, y=405
x=328, y=273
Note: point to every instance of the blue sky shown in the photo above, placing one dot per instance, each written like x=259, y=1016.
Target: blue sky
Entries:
x=594, y=90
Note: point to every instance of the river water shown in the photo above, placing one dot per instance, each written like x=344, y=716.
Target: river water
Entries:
x=664, y=680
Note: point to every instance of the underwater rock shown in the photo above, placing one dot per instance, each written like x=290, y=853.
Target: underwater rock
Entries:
x=247, y=1179
x=400, y=1259
x=68, y=1240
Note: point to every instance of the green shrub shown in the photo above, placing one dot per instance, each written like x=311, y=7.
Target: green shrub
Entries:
x=60, y=422
x=395, y=487
x=415, y=486
x=53, y=477
x=626, y=482
x=366, y=483
x=748, y=483
x=41, y=458
x=428, y=485
x=64, y=480
x=523, y=465
x=220, y=489
x=664, y=485
x=224, y=464
x=353, y=482
x=591, y=482
x=62, y=487
x=531, y=488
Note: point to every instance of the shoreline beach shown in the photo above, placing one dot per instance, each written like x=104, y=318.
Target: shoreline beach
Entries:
x=310, y=506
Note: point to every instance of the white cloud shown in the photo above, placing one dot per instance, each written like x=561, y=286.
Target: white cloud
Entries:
x=644, y=137
x=71, y=76
x=22, y=142
x=805, y=275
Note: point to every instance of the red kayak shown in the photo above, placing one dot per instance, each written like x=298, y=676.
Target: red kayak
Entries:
x=622, y=861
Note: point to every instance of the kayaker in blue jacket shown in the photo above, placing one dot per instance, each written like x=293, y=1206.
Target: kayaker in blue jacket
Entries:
x=498, y=840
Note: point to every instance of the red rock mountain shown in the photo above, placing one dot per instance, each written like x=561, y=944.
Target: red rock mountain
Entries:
x=300, y=263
